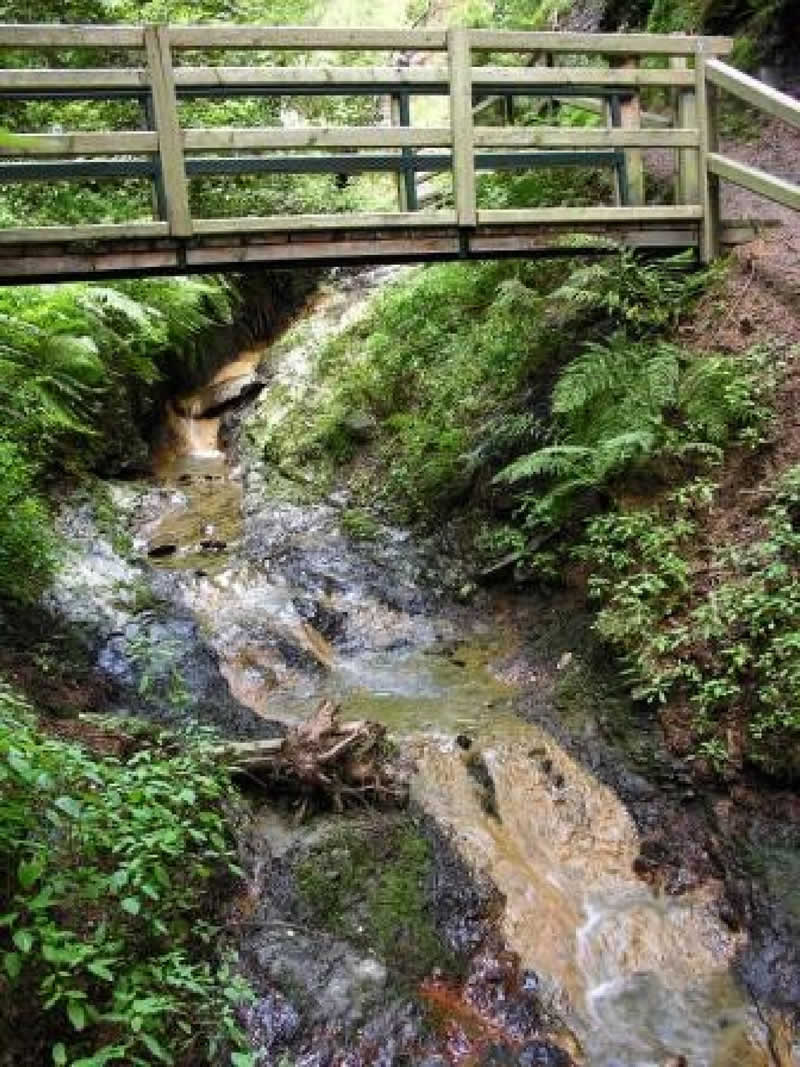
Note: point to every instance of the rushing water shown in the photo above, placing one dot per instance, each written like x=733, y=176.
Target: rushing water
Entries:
x=295, y=611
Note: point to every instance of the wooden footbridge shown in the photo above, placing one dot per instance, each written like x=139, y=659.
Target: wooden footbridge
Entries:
x=482, y=76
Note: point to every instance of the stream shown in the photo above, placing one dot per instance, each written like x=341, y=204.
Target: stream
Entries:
x=293, y=609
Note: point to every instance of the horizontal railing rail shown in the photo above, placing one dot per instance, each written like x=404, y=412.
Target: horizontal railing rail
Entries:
x=170, y=64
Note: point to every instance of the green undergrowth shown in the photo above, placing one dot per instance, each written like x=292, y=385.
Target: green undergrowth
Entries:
x=76, y=364
x=714, y=623
x=370, y=885
x=112, y=873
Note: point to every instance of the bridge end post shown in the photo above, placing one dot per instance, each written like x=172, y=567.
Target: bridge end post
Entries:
x=706, y=94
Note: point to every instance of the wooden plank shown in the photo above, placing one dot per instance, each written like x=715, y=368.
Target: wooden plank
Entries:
x=92, y=232
x=334, y=78
x=576, y=216
x=36, y=79
x=529, y=78
x=46, y=268
x=583, y=137
x=604, y=43
x=288, y=223
x=521, y=243
x=316, y=137
x=706, y=95
x=461, y=123
x=306, y=37
x=81, y=144
x=756, y=180
x=165, y=111
x=687, y=169
x=49, y=35
x=754, y=92
x=338, y=250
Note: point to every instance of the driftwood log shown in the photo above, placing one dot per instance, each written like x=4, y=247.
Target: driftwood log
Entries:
x=324, y=763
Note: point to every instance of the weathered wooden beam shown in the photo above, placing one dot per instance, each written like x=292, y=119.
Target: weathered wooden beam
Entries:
x=523, y=78
x=332, y=78
x=524, y=244
x=81, y=144
x=39, y=79
x=165, y=112
x=756, y=180
x=340, y=250
x=49, y=35
x=316, y=137
x=306, y=37
x=604, y=43
x=21, y=235
x=290, y=223
x=463, y=137
x=583, y=137
x=575, y=216
x=753, y=92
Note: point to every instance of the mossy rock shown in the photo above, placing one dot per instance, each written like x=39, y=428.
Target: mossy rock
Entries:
x=369, y=883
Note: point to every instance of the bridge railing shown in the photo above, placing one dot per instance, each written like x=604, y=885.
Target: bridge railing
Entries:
x=460, y=65
x=720, y=76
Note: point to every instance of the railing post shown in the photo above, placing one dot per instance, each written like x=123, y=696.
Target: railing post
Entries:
x=170, y=142
x=685, y=118
x=460, y=61
x=709, y=183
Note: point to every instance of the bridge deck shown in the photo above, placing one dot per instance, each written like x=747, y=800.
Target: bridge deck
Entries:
x=67, y=257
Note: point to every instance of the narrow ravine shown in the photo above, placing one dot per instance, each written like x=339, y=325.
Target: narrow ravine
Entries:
x=296, y=611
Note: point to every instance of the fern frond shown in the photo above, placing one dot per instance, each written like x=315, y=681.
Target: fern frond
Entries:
x=555, y=461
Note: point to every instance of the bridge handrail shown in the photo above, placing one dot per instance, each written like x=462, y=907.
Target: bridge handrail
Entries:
x=718, y=75
x=221, y=35
x=170, y=149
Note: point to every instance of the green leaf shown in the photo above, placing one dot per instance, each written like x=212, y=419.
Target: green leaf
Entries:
x=132, y=905
x=99, y=968
x=154, y=1047
x=29, y=871
x=243, y=1059
x=77, y=1014
x=13, y=964
x=23, y=939
x=59, y=1055
x=69, y=805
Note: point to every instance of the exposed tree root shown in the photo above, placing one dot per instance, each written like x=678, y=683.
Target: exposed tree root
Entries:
x=324, y=763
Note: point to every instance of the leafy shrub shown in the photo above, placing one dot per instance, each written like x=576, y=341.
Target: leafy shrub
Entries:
x=27, y=546
x=109, y=874
x=730, y=646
